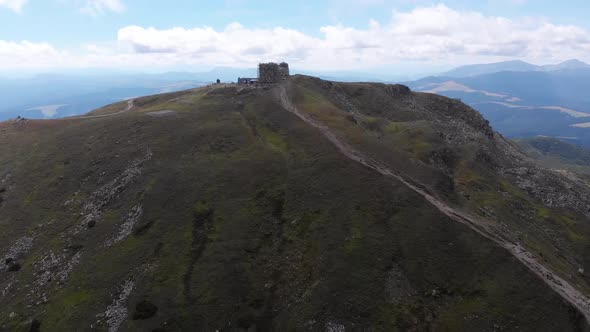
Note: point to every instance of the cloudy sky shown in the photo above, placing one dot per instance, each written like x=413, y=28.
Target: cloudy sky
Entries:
x=330, y=35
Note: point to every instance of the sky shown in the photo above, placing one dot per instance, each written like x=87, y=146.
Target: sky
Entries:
x=332, y=35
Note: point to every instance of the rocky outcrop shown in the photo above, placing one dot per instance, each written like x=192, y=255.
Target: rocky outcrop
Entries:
x=398, y=90
x=12, y=260
x=93, y=208
x=128, y=225
x=52, y=270
x=116, y=313
x=20, y=248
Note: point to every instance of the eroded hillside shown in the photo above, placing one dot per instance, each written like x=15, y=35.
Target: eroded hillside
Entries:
x=309, y=205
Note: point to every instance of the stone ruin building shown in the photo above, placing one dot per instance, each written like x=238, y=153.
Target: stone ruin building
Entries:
x=268, y=73
x=272, y=72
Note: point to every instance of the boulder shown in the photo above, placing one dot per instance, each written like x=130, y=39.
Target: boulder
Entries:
x=35, y=326
x=144, y=310
x=13, y=267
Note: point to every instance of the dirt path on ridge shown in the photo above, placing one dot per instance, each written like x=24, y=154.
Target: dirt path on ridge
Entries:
x=130, y=105
x=481, y=226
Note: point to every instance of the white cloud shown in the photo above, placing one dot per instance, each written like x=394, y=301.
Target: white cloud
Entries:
x=24, y=54
x=14, y=5
x=99, y=7
x=434, y=36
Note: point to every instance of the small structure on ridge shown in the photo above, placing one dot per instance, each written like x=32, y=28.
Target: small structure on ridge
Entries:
x=268, y=73
x=247, y=80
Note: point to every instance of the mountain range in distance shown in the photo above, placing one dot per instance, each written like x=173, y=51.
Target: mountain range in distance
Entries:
x=514, y=65
x=522, y=100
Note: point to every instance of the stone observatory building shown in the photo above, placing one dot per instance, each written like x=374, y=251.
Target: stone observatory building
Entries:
x=272, y=72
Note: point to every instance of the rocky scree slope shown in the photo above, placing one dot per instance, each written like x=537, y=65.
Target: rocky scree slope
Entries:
x=238, y=208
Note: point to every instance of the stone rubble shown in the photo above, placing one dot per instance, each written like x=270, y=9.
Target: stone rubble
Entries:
x=126, y=228
x=55, y=267
x=94, y=206
x=334, y=327
x=116, y=313
x=20, y=248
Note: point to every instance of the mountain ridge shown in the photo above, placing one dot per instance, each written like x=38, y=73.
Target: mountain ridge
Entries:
x=196, y=200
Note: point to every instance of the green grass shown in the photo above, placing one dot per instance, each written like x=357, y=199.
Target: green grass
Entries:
x=201, y=209
x=322, y=109
x=67, y=307
x=297, y=227
x=275, y=140
x=395, y=127
x=543, y=213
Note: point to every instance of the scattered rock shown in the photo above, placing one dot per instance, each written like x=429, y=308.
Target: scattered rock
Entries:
x=54, y=267
x=94, y=206
x=20, y=248
x=334, y=327
x=144, y=310
x=126, y=228
x=581, y=271
x=12, y=315
x=9, y=284
x=13, y=267
x=397, y=286
x=116, y=312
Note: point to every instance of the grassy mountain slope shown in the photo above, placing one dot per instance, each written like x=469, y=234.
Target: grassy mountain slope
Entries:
x=218, y=209
x=451, y=151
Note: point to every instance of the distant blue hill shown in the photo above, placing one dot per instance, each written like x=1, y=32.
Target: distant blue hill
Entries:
x=544, y=102
x=516, y=65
